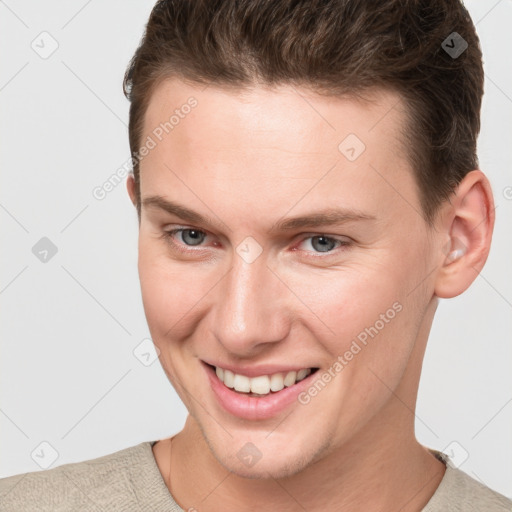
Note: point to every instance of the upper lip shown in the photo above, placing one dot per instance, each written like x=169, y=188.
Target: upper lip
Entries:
x=258, y=370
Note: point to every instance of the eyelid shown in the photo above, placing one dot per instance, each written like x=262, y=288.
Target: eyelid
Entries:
x=341, y=238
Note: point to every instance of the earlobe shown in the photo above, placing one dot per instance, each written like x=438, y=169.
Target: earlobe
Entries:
x=469, y=223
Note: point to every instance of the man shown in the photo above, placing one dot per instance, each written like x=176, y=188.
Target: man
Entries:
x=307, y=187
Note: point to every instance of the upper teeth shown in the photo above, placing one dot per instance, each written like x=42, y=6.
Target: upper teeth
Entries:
x=262, y=384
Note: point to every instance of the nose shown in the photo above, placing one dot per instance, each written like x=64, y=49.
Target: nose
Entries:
x=251, y=308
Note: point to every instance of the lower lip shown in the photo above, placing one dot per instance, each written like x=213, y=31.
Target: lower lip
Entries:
x=255, y=408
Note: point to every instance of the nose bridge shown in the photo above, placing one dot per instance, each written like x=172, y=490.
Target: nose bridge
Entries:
x=249, y=310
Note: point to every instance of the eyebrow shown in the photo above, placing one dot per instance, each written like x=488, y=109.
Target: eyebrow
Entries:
x=327, y=217
x=158, y=202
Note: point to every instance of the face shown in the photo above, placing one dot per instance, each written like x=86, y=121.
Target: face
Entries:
x=280, y=231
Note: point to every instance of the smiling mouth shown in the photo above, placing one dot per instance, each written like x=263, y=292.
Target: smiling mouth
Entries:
x=262, y=385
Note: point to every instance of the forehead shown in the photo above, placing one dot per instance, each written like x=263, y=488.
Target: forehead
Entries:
x=270, y=142
x=285, y=110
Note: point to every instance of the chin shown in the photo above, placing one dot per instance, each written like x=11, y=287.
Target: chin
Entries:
x=271, y=464
x=264, y=470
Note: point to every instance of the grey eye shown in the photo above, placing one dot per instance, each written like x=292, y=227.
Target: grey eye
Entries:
x=325, y=244
x=192, y=236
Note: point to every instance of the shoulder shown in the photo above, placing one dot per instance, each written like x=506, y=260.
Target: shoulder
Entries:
x=90, y=485
x=460, y=492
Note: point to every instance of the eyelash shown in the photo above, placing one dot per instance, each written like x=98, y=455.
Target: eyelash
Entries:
x=169, y=238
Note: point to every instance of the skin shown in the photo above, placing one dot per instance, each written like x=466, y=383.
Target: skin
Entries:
x=247, y=160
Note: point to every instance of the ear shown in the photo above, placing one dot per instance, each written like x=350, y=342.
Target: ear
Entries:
x=469, y=222
x=130, y=186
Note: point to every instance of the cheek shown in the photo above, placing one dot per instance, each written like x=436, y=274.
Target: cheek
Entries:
x=363, y=314
x=174, y=293
x=375, y=325
x=346, y=301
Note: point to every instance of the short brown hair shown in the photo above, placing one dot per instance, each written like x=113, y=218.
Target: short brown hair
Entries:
x=334, y=47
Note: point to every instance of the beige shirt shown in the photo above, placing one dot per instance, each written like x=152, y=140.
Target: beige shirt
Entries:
x=129, y=480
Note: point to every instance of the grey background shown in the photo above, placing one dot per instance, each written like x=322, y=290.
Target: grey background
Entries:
x=68, y=373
